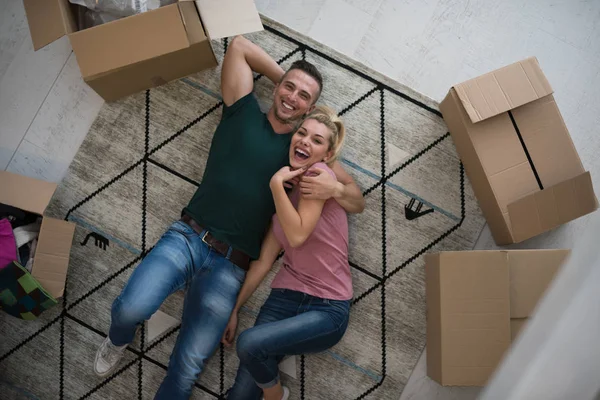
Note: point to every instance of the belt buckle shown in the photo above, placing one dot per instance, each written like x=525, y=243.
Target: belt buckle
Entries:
x=204, y=239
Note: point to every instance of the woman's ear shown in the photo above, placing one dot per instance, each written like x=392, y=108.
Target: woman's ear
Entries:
x=328, y=156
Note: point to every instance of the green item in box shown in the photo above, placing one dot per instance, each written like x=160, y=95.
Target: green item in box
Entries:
x=21, y=295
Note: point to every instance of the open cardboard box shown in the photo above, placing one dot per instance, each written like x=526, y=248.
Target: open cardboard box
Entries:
x=517, y=152
x=477, y=302
x=131, y=54
x=51, y=258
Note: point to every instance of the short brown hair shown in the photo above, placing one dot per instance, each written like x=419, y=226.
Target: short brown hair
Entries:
x=310, y=70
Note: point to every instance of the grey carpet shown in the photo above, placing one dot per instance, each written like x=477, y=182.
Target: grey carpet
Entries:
x=398, y=151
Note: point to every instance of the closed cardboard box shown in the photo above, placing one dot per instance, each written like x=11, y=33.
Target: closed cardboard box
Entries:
x=51, y=258
x=477, y=302
x=128, y=55
x=517, y=152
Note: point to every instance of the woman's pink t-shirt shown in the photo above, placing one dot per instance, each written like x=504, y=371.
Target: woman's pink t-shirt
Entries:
x=319, y=266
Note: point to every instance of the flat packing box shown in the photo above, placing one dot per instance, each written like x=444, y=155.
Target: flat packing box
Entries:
x=128, y=55
x=51, y=258
x=477, y=301
x=517, y=152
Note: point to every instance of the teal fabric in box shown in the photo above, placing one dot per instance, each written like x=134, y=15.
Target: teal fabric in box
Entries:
x=21, y=295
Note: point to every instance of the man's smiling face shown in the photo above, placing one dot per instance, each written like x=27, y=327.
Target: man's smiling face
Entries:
x=294, y=96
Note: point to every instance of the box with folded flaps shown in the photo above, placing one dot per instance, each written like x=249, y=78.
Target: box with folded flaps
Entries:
x=128, y=55
x=477, y=302
x=517, y=152
x=51, y=258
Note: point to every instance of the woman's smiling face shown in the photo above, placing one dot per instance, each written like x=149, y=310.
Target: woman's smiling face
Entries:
x=310, y=144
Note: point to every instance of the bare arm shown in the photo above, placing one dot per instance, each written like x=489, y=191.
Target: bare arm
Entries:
x=298, y=224
x=256, y=273
x=349, y=195
x=241, y=59
x=259, y=268
x=344, y=190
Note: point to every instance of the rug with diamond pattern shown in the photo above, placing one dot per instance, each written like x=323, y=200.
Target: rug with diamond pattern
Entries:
x=142, y=161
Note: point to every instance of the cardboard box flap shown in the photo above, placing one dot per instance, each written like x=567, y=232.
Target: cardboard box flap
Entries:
x=474, y=314
x=48, y=20
x=26, y=193
x=129, y=40
x=51, y=259
x=531, y=272
x=551, y=207
x=547, y=140
x=502, y=90
x=225, y=18
x=433, y=316
x=477, y=302
x=516, y=326
x=191, y=22
x=464, y=135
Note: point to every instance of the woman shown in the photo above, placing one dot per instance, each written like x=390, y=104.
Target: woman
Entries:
x=307, y=310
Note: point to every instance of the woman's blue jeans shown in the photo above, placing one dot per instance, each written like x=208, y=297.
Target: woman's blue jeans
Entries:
x=289, y=323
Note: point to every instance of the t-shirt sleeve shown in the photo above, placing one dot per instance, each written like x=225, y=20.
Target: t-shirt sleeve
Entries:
x=321, y=165
x=246, y=102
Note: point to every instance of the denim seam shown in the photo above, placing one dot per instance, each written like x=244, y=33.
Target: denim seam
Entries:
x=347, y=316
x=184, y=232
x=316, y=336
x=306, y=339
x=299, y=309
x=207, y=260
x=187, y=236
x=194, y=271
x=235, y=271
x=269, y=384
x=264, y=364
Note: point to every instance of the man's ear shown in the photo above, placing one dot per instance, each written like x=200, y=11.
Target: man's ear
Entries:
x=310, y=109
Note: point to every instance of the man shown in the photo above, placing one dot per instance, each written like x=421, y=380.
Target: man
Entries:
x=210, y=248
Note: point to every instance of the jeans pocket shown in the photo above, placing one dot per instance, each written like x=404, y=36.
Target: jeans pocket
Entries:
x=339, y=311
x=342, y=306
x=183, y=228
x=238, y=272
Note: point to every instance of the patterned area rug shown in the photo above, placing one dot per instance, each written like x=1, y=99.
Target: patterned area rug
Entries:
x=142, y=161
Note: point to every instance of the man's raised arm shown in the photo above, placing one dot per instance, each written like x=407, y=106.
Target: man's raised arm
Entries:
x=241, y=59
x=323, y=186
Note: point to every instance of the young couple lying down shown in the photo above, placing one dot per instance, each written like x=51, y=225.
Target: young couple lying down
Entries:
x=238, y=221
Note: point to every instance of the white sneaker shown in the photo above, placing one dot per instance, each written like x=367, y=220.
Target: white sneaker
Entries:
x=286, y=393
x=108, y=357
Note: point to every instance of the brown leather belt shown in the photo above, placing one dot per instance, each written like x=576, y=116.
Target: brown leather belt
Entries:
x=237, y=257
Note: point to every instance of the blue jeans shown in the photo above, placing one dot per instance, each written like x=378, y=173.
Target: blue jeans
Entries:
x=180, y=259
x=289, y=323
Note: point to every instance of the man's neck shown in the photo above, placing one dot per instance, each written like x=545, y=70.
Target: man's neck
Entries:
x=278, y=126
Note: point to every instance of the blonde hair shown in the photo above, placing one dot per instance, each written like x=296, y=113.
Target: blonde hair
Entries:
x=332, y=121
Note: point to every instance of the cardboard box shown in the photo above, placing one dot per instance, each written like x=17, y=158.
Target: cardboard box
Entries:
x=51, y=259
x=477, y=302
x=517, y=152
x=128, y=55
